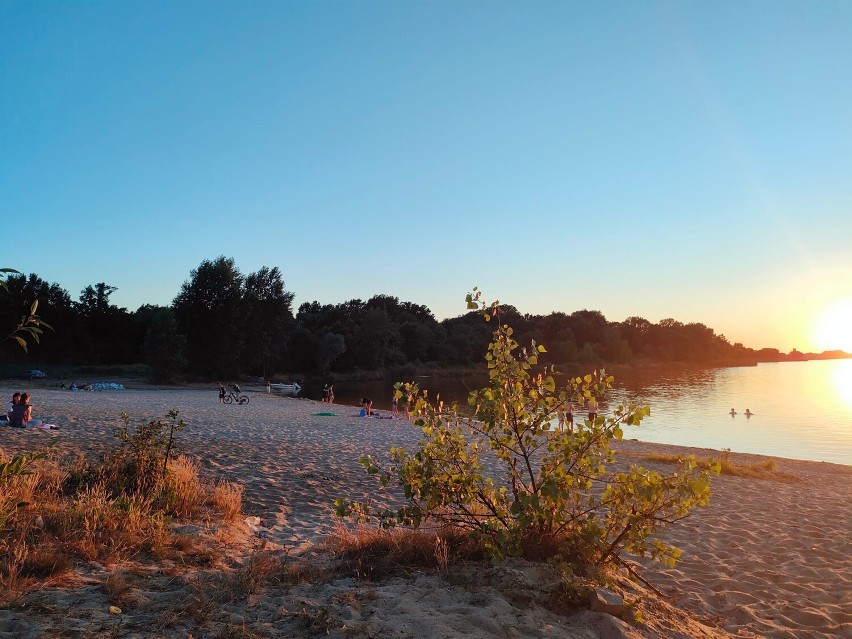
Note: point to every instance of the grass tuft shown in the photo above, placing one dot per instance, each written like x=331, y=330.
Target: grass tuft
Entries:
x=762, y=469
x=377, y=551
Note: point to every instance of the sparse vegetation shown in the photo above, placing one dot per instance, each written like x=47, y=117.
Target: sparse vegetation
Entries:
x=761, y=469
x=118, y=507
x=374, y=552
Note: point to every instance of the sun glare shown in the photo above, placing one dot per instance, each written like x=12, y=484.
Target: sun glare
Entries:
x=833, y=328
x=843, y=381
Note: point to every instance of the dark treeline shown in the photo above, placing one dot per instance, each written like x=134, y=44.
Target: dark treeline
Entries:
x=223, y=324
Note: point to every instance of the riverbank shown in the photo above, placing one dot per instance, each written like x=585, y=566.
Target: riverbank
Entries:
x=768, y=557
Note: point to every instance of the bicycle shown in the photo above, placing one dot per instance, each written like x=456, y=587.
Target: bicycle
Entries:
x=231, y=397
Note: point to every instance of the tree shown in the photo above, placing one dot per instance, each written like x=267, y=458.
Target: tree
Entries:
x=112, y=334
x=268, y=320
x=208, y=311
x=558, y=492
x=164, y=347
x=332, y=346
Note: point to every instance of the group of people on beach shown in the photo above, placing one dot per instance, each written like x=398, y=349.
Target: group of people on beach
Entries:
x=565, y=414
x=367, y=409
x=19, y=411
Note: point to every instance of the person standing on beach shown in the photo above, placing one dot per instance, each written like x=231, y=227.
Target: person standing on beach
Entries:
x=221, y=392
x=593, y=409
x=395, y=405
x=331, y=393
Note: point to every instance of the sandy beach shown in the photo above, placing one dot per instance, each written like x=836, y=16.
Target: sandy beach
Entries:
x=767, y=558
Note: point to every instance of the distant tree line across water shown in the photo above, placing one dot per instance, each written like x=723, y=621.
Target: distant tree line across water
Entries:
x=223, y=324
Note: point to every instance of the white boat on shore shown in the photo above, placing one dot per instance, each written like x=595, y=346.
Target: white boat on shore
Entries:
x=286, y=389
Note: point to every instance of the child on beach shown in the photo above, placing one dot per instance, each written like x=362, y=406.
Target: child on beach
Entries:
x=9, y=406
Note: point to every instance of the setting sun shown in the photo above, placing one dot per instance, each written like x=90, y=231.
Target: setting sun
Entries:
x=833, y=328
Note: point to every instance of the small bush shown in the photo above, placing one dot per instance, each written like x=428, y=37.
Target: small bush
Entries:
x=556, y=489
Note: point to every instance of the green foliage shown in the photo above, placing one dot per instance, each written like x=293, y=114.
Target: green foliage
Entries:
x=558, y=490
x=17, y=466
x=30, y=327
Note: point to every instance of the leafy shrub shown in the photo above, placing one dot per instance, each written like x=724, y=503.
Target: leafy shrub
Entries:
x=558, y=491
x=141, y=464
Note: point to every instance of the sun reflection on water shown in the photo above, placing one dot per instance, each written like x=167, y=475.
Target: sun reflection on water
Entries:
x=843, y=382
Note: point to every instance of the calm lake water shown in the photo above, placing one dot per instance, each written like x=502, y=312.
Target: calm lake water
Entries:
x=802, y=410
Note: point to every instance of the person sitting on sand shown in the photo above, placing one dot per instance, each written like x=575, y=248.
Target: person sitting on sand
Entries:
x=10, y=405
x=732, y=413
x=22, y=412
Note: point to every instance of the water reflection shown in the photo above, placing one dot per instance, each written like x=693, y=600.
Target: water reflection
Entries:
x=801, y=409
x=843, y=382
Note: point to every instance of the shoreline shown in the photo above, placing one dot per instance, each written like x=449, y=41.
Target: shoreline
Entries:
x=766, y=557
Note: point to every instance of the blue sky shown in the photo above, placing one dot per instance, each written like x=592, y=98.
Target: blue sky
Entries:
x=662, y=159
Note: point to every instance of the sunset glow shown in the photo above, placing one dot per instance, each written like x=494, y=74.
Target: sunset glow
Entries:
x=833, y=328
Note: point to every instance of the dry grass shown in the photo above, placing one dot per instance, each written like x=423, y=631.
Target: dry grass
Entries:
x=182, y=490
x=117, y=588
x=227, y=499
x=259, y=569
x=56, y=516
x=375, y=552
x=762, y=469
